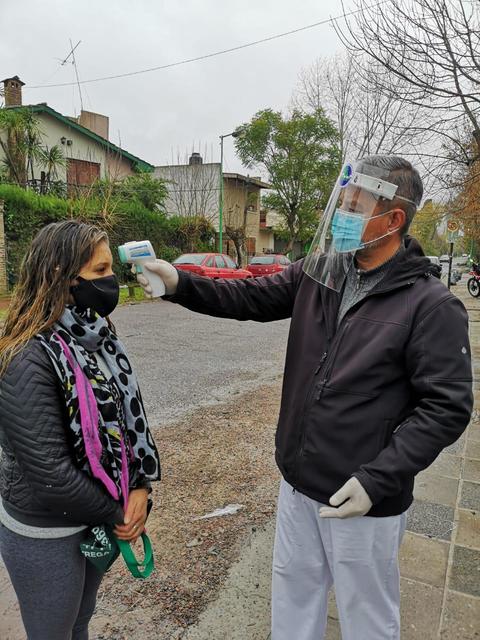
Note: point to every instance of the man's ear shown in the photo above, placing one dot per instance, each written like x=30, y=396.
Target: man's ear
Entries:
x=398, y=219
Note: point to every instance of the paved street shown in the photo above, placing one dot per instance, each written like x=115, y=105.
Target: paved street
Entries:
x=219, y=357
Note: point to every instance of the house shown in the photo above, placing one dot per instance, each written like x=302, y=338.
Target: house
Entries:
x=84, y=141
x=194, y=190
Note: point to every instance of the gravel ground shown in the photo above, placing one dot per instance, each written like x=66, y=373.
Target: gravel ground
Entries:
x=211, y=389
x=184, y=359
x=215, y=456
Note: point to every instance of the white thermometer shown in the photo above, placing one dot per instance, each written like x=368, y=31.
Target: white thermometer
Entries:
x=137, y=253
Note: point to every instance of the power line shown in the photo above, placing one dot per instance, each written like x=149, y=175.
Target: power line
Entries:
x=214, y=54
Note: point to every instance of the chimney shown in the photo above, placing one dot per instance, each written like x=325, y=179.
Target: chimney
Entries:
x=12, y=88
x=195, y=158
x=95, y=122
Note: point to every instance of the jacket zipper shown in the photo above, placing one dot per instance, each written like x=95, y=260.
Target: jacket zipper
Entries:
x=310, y=393
x=341, y=330
x=326, y=363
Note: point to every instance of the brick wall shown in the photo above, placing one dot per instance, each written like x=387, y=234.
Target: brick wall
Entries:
x=3, y=254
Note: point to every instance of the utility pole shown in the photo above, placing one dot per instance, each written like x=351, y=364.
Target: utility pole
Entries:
x=452, y=227
x=234, y=134
x=450, y=258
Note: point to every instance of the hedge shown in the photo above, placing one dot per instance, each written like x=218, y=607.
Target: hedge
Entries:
x=26, y=212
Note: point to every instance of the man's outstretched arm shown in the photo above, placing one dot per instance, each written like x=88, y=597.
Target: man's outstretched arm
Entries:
x=262, y=299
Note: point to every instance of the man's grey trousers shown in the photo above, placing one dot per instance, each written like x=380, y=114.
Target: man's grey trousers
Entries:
x=358, y=556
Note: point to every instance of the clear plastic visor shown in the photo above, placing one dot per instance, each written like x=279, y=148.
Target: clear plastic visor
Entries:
x=347, y=223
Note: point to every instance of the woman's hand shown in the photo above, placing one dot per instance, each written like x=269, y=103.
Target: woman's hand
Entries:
x=135, y=516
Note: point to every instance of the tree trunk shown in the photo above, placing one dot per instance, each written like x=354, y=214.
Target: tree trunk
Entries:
x=291, y=242
x=238, y=249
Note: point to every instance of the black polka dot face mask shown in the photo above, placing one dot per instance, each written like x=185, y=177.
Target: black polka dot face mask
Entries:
x=100, y=294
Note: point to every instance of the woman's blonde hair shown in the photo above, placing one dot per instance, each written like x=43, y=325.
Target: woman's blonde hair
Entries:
x=55, y=258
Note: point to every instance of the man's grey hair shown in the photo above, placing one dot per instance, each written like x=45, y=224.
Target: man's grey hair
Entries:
x=402, y=173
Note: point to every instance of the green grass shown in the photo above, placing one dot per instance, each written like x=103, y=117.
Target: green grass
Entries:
x=125, y=298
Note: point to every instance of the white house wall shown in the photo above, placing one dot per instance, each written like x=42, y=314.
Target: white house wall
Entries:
x=82, y=147
x=52, y=130
x=183, y=181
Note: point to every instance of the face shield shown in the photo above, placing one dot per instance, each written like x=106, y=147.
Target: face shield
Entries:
x=346, y=224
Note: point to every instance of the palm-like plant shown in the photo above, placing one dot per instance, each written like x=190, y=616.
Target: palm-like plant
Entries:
x=51, y=160
x=20, y=142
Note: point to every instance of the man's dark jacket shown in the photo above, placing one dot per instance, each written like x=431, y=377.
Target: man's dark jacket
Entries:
x=379, y=397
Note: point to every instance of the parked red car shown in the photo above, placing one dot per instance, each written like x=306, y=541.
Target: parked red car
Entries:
x=212, y=265
x=267, y=264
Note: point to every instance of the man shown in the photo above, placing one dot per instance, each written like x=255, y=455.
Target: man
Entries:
x=377, y=382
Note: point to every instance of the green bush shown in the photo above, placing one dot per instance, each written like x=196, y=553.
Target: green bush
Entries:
x=26, y=212
x=142, y=188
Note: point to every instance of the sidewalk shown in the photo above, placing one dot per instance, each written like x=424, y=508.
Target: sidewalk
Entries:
x=439, y=557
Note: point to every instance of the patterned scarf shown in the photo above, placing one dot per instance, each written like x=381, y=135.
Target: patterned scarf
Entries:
x=116, y=446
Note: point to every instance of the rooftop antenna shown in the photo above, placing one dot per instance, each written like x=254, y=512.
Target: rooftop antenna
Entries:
x=74, y=62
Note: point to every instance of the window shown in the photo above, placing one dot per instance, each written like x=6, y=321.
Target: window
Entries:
x=251, y=246
x=219, y=261
x=210, y=262
x=191, y=258
x=284, y=260
x=230, y=263
x=263, y=260
x=82, y=173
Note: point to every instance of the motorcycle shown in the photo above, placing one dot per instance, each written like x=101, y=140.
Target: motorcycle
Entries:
x=473, y=283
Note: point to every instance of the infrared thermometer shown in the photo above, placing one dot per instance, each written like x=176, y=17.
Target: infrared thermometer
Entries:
x=137, y=253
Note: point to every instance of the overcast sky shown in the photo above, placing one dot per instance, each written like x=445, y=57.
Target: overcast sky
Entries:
x=181, y=109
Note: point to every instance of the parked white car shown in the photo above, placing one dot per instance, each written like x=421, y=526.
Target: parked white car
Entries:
x=435, y=260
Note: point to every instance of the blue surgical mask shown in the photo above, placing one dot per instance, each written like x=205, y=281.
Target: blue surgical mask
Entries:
x=347, y=230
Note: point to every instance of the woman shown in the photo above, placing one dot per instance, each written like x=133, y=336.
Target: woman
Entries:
x=57, y=478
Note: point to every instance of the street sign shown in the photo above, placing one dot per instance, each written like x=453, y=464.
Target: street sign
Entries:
x=453, y=230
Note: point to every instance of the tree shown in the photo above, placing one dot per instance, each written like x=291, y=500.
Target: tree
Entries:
x=466, y=206
x=143, y=188
x=328, y=83
x=236, y=206
x=20, y=143
x=52, y=159
x=301, y=157
x=193, y=194
x=425, y=227
x=368, y=122
x=194, y=189
x=430, y=49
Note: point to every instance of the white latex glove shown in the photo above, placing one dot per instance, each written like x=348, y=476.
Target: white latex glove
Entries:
x=357, y=501
x=167, y=273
